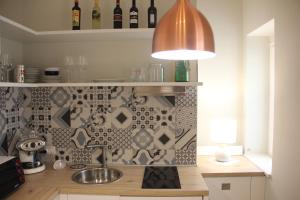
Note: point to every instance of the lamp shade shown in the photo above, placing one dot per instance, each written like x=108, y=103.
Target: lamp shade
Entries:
x=223, y=131
x=183, y=33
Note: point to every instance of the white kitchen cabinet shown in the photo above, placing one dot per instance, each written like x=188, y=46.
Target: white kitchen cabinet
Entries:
x=91, y=197
x=236, y=188
x=258, y=188
x=161, y=198
x=99, y=197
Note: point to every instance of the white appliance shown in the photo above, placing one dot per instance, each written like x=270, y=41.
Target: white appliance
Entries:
x=29, y=155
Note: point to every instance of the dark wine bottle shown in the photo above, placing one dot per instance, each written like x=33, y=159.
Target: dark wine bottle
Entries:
x=118, y=17
x=152, y=15
x=134, y=16
x=76, y=16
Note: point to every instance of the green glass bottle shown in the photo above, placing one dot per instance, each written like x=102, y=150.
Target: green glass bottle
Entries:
x=96, y=15
x=182, y=72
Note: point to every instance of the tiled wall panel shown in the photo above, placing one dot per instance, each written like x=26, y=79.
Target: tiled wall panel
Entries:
x=137, y=130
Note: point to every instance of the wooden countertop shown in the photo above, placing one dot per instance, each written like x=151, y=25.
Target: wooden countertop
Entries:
x=238, y=167
x=50, y=183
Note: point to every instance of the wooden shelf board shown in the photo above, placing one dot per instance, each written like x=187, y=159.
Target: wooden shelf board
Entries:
x=104, y=84
x=15, y=31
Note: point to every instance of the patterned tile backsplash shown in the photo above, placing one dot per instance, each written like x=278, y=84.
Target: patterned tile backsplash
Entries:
x=137, y=130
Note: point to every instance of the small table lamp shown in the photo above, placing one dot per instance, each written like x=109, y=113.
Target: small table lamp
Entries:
x=223, y=132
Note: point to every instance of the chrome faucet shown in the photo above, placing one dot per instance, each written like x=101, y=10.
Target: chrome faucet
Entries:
x=104, y=151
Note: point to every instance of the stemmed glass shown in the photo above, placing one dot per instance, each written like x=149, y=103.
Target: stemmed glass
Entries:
x=5, y=68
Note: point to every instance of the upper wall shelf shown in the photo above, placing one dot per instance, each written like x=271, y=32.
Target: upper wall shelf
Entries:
x=15, y=31
x=105, y=84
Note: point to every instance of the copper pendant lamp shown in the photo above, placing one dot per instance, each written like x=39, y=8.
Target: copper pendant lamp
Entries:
x=183, y=33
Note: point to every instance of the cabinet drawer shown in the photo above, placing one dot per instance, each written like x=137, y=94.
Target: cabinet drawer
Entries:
x=229, y=188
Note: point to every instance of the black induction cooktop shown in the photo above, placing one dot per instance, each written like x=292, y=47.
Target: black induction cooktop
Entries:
x=161, y=178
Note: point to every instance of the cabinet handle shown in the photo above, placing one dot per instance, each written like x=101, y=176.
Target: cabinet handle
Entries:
x=225, y=186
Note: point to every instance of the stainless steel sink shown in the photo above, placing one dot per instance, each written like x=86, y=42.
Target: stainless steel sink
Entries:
x=97, y=176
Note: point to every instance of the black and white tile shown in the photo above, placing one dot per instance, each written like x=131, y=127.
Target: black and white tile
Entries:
x=153, y=101
x=25, y=117
x=3, y=98
x=189, y=99
x=80, y=138
x=25, y=97
x=81, y=156
x=142, y=139
x=143, y=118
x=40, y=97
x=122, y=156
x=184, y=157
x=97, y=156
x=137, y=130
x=60, y=97
x=100, y=136
x=99, y=117
x=61, y=138
x=121, y=97
x=2, y=122
x=186, y=117
x=121, y=118
x=65, y=155
x=61, y=117
x=41, y=117
x=186, y=139
x=121, y=139
x=80, y=97
x=12, y=119
x=80, y=109
x=12, y=140
x=161, y=101
x=99, y=97
x=12, y=98
x=164, y=118
x=164, y=138
x=79, y=116
x=153, y=157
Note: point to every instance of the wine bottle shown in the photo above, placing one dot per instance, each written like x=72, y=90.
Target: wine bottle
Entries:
x=118, y=17
x=96, y=15
x=134, y=16
x=76, y=16
x=152, y=15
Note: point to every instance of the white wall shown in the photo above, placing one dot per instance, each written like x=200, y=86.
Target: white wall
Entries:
x=56, y=14
x=108, y=59
x=13, y=49
x=42, y=15
x=256, y=94
x=14, y=9
x=285, y=180
x=220, y=97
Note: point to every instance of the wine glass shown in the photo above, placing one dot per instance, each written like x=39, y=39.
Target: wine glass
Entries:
x=68, y=65
x=6, y=67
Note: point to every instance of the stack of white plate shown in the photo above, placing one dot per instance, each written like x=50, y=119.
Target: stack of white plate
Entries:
x=51, y=75
x=51, y=79
x=32, y=75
